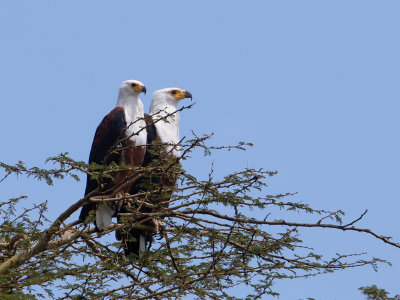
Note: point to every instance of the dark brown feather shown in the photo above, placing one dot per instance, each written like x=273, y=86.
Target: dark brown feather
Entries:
x=110, y=145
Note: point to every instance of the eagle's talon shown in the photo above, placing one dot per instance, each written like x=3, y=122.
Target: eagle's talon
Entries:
x=161, y=232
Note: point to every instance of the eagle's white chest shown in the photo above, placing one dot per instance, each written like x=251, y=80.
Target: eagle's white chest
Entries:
x=168, y=132
x=136, y=126
x=136, y=131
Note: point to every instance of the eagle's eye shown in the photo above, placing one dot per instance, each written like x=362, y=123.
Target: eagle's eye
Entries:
x=173, y=92
x=133, y=84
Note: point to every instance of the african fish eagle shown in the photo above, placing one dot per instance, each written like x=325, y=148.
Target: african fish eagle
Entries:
x=163, y=143
x=119, y=138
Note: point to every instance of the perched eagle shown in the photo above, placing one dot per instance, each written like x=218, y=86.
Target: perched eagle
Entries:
x=163, y=148
x=119, y=138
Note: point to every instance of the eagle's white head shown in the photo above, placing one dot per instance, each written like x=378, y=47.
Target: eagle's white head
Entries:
x=163, y=111
x=168, y=98
x=132, y=88
x=128, y=96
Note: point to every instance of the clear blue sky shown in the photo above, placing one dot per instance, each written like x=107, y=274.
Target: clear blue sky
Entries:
x=313, y=84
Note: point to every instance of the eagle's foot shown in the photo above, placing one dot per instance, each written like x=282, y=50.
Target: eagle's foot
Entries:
x=161, y=231
x=158, y=227
x=119, y=203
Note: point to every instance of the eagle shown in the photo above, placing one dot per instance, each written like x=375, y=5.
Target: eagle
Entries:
x=120, y=138
x=163, y=149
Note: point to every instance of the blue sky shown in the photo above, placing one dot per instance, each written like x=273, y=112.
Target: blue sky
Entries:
x=313, y=84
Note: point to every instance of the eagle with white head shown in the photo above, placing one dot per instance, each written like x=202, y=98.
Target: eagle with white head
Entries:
x=119, y=138
x=163, y=144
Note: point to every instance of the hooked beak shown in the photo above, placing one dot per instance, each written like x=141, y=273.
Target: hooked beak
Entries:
x=188, y=95
x=143, y=90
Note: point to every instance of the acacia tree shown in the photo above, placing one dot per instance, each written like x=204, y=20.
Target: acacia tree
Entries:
x=212, y=239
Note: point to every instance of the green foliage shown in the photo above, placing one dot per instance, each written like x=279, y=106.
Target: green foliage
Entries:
x=67, y=166
x=217, y=235
x=374, y=293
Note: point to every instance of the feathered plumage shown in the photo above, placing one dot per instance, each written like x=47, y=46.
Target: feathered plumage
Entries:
x=115, y=141
x=163, y=147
